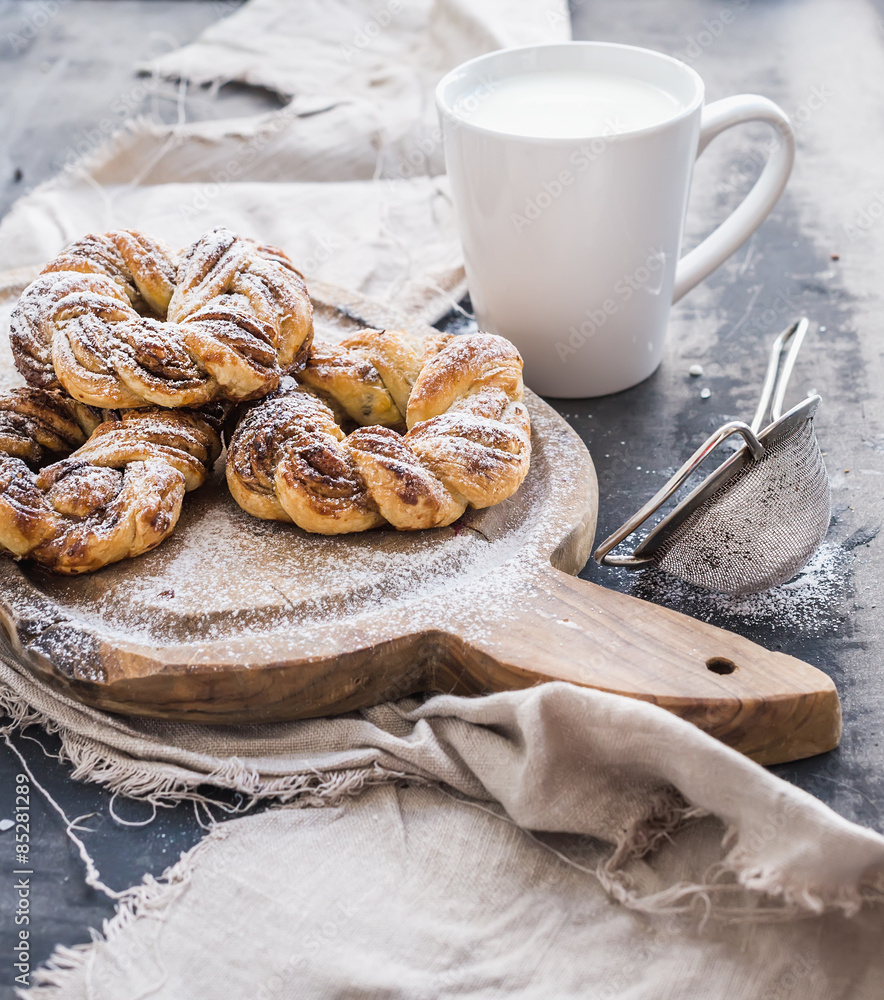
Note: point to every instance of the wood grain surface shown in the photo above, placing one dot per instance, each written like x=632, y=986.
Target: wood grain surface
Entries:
x=236, y=620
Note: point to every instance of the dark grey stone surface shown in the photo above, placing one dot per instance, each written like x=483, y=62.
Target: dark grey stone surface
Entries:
x=823, y=61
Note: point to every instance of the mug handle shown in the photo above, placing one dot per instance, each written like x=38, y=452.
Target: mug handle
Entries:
x=756, y=206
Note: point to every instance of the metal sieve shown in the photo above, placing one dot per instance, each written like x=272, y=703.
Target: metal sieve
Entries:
x=758, y=518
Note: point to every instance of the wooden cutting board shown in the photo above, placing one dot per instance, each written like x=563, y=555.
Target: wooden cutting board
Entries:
x=238, y=620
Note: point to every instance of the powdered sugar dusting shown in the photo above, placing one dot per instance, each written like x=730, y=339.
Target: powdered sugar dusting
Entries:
x=810, y=603
x=152, y=340
x=9, y=375
x=228, y=588
x=236, y=589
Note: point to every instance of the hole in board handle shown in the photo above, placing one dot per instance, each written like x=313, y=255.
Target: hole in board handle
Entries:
x=720, y=665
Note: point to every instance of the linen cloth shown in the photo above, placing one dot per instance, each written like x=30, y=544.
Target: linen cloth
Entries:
x=361, y=111
x=406, y=895
x=407, y=891
x=395, y=241
x=663, y=851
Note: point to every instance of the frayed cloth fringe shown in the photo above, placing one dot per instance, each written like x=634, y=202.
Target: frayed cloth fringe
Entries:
x=167, y=784
x=149, y=900
x=735, y=890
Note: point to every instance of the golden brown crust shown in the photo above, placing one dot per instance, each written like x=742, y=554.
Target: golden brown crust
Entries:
x=38, y=426
x=75, y=517
x=142, y=267
x=467, y=367
x=407, y=493
x=468, y=443
x=184, y=439
x=117, y=495
x=368, y=377
x=120, y=321
x=285, y=463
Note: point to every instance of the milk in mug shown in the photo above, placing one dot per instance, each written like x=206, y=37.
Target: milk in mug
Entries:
x=567, y=104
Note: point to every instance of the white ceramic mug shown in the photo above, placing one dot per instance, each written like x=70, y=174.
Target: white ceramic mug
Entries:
x=572, y=245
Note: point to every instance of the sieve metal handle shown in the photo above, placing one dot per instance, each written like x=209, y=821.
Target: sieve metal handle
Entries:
x=776, y=379
x=727, y=430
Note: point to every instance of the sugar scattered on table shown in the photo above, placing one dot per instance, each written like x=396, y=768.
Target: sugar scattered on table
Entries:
x=811, y=603
x=705, y=393
x=695, y=370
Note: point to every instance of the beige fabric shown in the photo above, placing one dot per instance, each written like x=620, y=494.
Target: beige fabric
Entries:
x=362, y=111
x=338, y=47
x=404, y=894
x=556, y=757
x=413, y=893
x=408, y=892
x=395, y=241
x=360, y=74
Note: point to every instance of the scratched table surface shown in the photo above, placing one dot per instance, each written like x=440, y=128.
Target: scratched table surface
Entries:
x=820, y=253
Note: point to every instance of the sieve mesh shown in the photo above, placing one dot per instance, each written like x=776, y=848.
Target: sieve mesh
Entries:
x=761, y=527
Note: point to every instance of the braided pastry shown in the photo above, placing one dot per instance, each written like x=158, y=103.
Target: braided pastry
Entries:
x=120, y=321
x=467, y=444
x=117, y=495
x=38, y=426
x=369, y=378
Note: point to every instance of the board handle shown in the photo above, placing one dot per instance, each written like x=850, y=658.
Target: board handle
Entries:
x=770, y=706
